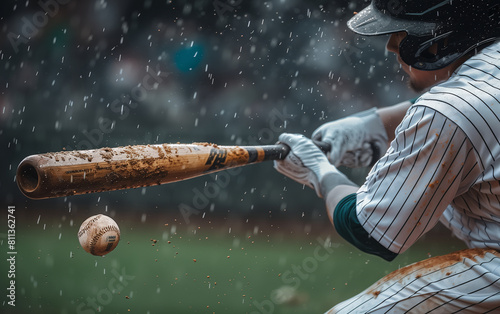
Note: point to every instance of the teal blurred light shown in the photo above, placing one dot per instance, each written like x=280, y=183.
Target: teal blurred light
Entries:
x=189, y=58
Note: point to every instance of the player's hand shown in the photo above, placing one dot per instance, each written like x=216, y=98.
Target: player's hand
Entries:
x=305, y=163
x=356, y=141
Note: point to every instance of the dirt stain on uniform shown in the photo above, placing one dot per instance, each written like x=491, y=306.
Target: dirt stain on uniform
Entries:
x=418, y=269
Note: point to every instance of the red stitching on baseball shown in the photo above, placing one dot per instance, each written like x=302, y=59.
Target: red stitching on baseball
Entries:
x=98, y=235
x=88, y=225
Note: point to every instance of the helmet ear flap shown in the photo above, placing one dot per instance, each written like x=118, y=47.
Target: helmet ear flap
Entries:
x=416, y=51
x=411, y=49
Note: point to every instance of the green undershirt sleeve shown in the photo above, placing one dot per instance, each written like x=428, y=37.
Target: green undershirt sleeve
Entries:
x=348, y=227
x=414, y=100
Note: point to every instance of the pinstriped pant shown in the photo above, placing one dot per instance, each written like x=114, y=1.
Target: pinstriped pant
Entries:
x=466, y=281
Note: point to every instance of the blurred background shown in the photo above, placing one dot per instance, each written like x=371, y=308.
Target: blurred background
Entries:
x=231, y=72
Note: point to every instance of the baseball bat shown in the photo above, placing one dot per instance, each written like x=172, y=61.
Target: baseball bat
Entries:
x=106, y=169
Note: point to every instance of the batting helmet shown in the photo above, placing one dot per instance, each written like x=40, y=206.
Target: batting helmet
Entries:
x=456, y=26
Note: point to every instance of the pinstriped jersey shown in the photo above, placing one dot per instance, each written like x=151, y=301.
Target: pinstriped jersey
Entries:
x=443, y=165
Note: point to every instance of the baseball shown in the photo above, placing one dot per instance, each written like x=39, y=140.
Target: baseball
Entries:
x=99, y=235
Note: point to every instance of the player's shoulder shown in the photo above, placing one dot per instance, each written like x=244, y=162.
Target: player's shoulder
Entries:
x=485, y=65
x=474, y=84
x=471, y=99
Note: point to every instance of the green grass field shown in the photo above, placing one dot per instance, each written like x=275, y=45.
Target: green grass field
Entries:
x=203, y=269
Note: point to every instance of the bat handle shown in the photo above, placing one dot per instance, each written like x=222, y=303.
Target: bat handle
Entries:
x=324, y=146
x=280, y=150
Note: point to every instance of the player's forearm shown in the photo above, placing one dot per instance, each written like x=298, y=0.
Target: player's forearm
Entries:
x=392, y=116
x=336, y=195
x=341, y=205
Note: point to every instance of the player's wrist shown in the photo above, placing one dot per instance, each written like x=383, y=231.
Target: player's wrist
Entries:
x=373, y=124
x=375, y=141
x=331, y=180
x=327, y=177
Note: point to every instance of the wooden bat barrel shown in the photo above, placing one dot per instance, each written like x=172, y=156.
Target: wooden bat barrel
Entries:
x=89, y=171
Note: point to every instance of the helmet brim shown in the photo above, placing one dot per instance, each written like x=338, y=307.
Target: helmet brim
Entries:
x=372, y=22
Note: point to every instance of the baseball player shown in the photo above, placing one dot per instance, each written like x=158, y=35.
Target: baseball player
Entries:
x=435, y=159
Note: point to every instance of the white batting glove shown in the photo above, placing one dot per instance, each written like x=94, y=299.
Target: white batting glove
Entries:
x=308, y=165
x=357, y=141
